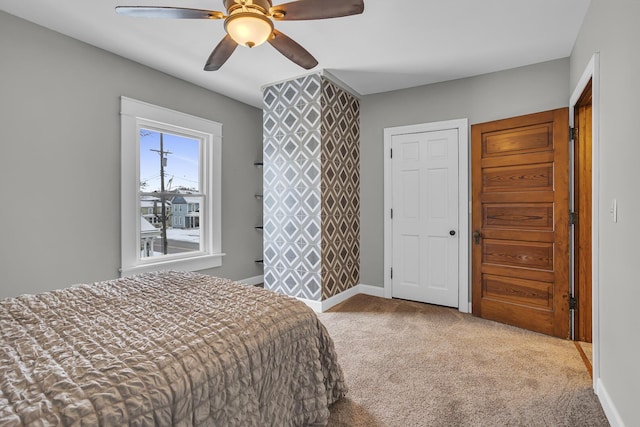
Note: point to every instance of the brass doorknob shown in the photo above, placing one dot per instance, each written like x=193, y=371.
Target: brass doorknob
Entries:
x=476, y=237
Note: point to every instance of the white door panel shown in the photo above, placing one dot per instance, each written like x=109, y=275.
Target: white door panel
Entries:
x=425, y=208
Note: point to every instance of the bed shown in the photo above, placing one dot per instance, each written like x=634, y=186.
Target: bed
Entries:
x=164, y=349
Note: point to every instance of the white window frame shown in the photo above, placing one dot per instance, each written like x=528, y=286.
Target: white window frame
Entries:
x=134, y=116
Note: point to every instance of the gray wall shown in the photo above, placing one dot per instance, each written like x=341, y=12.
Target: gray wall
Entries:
x=611, y=28
x=482, y=98
x=60, y=159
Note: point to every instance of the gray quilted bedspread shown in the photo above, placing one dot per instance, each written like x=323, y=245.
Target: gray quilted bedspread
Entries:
x=164, y=349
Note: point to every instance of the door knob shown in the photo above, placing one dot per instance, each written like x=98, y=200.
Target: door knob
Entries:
x=452, y=232
x=476, y=237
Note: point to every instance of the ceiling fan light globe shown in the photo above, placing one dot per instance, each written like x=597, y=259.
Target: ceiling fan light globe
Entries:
x=248, y=28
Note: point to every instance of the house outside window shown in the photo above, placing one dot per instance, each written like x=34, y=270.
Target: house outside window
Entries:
x=170, y=186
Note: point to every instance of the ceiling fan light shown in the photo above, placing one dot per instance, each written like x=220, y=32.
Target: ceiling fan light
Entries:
x=248, y=28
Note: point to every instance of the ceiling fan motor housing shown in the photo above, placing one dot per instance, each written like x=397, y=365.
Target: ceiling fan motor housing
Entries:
x=230, y=5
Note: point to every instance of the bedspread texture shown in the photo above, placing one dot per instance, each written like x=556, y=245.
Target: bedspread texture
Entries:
x=163, y=349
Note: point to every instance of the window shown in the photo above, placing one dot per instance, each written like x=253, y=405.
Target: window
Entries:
x=169, y=160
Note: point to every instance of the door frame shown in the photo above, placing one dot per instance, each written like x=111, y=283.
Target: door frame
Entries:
x=464, y=204
x=580, y=170
x=592, y=72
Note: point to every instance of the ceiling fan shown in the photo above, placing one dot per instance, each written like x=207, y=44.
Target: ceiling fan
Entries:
x=249, y=23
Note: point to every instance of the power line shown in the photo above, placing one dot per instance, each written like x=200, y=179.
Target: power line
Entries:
x=163, y=198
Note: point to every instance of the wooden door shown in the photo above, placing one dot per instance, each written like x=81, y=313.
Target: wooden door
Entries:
x=582, y=206
x=424, y=171
x=520, y=221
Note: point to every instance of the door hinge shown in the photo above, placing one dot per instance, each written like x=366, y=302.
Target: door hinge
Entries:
x=392, y=272
x=391, y=153
x=573, y=133
x=573, y=218
x=391, y=213
x=573, y=304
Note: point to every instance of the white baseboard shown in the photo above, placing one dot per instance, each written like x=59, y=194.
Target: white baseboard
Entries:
x=322, y=306
x=255, y=280
x=607, y=405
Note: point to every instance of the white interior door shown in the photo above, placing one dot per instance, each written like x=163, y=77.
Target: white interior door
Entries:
x=425, y=236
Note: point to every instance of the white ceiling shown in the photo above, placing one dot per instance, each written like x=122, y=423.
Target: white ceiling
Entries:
x=392, y=45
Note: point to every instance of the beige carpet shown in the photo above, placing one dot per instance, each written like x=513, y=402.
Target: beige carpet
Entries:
x=412, y=364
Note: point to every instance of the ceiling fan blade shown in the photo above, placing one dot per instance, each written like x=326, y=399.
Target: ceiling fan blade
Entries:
x=220, y=54
x=316, y=9
x=168, y=12
x=292, y=50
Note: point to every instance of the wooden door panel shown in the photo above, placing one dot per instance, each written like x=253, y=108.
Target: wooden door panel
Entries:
x=538, y=255
x=526, y=139
x=531, y=293
x=518, y=197
x=517, y=235
x=511, y=314
x=520, y=188
x=534, y=177
x=524, y=159
x=523, y=216
x=537, y=275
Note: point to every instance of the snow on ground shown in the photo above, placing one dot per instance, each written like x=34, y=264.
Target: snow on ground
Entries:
x=184, y=235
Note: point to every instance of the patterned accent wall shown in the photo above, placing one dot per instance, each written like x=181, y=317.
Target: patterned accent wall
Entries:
x=311, y=188
x=340, y=189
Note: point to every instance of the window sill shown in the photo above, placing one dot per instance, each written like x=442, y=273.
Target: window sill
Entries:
x=194, y=263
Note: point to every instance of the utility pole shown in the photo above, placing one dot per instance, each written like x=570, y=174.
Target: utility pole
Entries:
x=163, y=196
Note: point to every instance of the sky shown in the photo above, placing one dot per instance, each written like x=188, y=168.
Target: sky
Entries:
x=182, y=163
